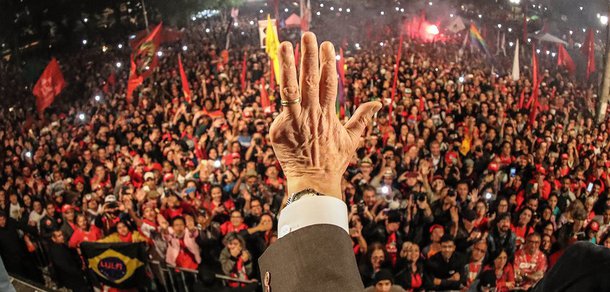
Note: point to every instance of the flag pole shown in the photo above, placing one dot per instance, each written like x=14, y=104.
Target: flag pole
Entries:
x=145, y=16
x=602, y=105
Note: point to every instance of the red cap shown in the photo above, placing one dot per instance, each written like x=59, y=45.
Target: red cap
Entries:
x=493, y=166
x=435, y=226
x=65, y=208
x=157, y=166
x=594, y=226
x=564, y=156
x=168, y=176
x=78, y=180
x=541, y=170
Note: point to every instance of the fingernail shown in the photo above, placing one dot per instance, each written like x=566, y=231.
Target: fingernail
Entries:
x=377, y=107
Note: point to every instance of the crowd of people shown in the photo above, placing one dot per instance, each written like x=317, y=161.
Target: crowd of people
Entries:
x=454, y=186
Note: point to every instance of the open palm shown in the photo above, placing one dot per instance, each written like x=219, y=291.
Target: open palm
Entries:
x=310, y=142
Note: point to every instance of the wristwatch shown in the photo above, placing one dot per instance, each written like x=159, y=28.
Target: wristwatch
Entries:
x=301, y=194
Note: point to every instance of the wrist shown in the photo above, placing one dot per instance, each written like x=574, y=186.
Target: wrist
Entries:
x=328, y=185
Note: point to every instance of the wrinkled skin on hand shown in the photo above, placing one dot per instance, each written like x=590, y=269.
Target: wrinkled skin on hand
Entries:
x=311, y=144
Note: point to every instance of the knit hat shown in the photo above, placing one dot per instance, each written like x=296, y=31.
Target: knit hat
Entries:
x=382, y=275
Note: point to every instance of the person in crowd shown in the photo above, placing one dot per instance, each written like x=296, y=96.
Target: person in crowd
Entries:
x=124, y=233
x=410, y=274
x=384, y=283
x=530, y=262
x=49, y=222
x=69, y=221
x=67, y=264
x=503, y=270
x=82, y=232
x=501, y=236
x=37, y=213
x=523, y=227
x=182, y=249
x=475, y=263
x=375, y=260
x=235, y=224
x=13, y=251
x=386, y=231
x=445, y=270
x=235, y=259
x=436, y=234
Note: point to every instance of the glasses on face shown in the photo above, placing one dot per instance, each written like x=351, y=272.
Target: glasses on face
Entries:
x=236, y=217
x=533, y=242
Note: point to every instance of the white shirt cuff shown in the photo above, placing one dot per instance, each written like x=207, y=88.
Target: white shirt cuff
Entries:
x=314, y=210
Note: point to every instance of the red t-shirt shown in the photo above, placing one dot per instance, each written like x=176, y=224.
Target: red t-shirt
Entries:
x=185, y=258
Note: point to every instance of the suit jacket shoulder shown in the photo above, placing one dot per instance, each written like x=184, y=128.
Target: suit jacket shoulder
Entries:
x=314, y=258
x=584, y=267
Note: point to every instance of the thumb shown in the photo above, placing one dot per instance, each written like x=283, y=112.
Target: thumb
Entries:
x=361, y=118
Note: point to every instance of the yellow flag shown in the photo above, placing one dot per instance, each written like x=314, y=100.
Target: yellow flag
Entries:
x=465, y=147
x=272, y=44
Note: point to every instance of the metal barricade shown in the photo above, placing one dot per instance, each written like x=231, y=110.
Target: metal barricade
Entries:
x=179, y=279
x=174, y=279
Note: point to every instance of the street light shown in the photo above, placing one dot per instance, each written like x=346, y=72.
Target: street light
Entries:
x=515, y=2
x=603, y=19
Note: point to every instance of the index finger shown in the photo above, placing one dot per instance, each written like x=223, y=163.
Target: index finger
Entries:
x=289, y=88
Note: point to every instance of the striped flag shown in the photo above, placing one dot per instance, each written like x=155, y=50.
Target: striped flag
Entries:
x=476, y=38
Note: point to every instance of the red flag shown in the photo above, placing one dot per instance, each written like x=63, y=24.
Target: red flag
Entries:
x=395, y=81
x=48, y=86
x=522, y=99
x=185, y=83
x=112, y=79
x=109, y=83
x=534, y=111
x=143, y=60
x=242, y=78
x=265, y=102
x=534, y=66
x=588, y=49
x=133, y=82
x=168, y=35
x=564, y=59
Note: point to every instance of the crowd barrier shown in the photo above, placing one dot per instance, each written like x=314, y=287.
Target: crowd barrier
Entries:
x=172, y=278
x=22, y=285
x=180, y=279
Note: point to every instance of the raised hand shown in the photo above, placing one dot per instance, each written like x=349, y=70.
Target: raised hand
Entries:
x=313, y=147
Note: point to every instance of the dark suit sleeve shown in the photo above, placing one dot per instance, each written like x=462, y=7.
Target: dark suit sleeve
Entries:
x=584, y=267
x=314, y=258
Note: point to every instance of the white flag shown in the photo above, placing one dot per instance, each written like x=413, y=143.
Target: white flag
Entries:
x=456, y=25
x=516, y=73
x=503, y=44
